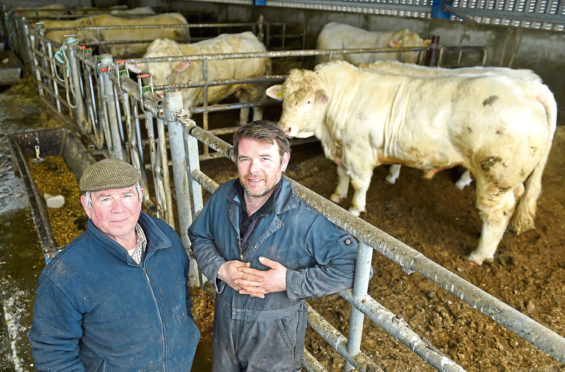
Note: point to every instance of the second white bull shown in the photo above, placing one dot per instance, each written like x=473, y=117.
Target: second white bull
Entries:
x=499, y=128
x=184, y=72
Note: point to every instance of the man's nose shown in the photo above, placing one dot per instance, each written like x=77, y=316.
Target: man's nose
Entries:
x=254, y=166
x=117, y=206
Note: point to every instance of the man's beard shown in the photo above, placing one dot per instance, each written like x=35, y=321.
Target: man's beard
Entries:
x=265, y=191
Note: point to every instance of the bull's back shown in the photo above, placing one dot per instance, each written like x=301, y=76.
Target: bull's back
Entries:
x=433, y=121
x=245, y=42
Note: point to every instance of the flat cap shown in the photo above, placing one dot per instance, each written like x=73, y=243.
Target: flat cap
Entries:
x=108, y=174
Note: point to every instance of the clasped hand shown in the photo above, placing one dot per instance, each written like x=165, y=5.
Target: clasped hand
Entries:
x=256, y=283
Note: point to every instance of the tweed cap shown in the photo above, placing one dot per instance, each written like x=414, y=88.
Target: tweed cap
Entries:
x=108, y=174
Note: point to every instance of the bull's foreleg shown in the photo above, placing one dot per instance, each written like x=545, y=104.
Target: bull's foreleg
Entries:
x=342, y=187
x=360, y=187
x=496, y=207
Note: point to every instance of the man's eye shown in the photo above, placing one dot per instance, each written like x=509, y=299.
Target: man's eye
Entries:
x=266, y=159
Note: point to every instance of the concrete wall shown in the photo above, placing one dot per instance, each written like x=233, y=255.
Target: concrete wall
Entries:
x=539, y=50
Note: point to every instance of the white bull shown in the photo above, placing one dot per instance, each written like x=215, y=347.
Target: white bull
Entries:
x=129, y=46
x=185, y=72
x=499, y=128
x=410, y=69
x=141, y=10
x=59, y=35
x=127, y=36
x=342, y=36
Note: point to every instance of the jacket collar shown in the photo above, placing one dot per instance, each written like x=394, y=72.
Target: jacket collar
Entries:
x=156, y=239
x=286, y=201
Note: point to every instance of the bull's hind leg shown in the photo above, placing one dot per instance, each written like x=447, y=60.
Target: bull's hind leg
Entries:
x=243, y=96
x=252, y=94
x=393, y=173
x=496, y=206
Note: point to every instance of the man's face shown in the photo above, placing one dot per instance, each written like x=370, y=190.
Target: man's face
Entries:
x=259, y=166
x=115, y=212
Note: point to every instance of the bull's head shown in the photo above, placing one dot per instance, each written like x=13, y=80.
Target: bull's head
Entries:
x=161, y=72
x=304, y=101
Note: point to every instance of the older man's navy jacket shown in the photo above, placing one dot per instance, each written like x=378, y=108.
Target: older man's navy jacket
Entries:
x=98, y=310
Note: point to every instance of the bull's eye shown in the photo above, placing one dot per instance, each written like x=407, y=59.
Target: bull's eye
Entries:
x=309, y=102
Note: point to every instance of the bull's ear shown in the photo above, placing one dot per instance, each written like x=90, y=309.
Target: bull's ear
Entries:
x=427, y=42
x=181, y=66
x=135, y=68
x=394, y=44
x=275, y=92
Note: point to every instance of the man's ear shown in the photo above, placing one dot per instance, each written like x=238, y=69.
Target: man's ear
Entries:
x=285, y=160
x=87, y=209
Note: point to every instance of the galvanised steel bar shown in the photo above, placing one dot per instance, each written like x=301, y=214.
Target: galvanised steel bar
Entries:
x=274, y=54
x=193, y=165
x=400, y=330
x=139, y=141
x=363, y=271
x=164, y=165
x=154, y=167
x=413, y=261
x=173, y=105
x=53, y=69
x=311, y=364
x=103, y=121
x=115, y=150
x=132, y=144
x=206, y=182
x=333, y=337
x=80, y=117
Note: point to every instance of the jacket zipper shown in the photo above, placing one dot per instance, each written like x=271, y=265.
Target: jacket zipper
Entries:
x=160, y=318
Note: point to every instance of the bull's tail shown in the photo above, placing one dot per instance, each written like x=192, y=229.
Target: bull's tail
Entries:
x=523, y=218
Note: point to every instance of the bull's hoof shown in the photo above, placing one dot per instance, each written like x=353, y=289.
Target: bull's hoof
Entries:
x=477, y=259
x=391, y=179
x=462, y=184
x=336, y=198
x=356, y=212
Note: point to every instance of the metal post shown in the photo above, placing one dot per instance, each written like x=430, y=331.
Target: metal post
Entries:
x=173, y=105
x=116, y=150
x=360, y=287
x=80, y=118
x=27, y=51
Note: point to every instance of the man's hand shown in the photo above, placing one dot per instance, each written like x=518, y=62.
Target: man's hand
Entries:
x=238, y=280
x=272, y=280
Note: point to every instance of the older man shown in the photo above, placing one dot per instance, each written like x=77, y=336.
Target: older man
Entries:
x=265, y=251
x=116, y=298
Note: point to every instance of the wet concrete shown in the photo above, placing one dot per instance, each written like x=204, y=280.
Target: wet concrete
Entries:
x=21, y=260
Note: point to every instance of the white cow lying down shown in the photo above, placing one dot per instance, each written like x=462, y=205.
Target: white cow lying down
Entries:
x=185, y=72
x=498, y=127
x=410, y=69
x=342, y=36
